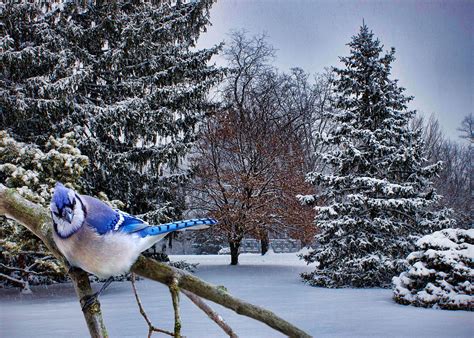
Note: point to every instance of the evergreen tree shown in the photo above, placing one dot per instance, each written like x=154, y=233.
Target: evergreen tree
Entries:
x=125, y=76
x=441, y=272
x=378, y=193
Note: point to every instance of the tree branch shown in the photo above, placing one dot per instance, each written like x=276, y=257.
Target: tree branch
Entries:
x=162, y=273
x=174, y=290
x=210, y=313
x=37, y=220
x=151, y=327
x=19, y=269
x=15, y=280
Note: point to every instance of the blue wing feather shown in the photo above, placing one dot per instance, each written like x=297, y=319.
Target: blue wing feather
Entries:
x=104, y=219
x=98, y=215
x=130, y=224
x=134, y=225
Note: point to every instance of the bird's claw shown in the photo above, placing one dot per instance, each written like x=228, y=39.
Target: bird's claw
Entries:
x=87, y=301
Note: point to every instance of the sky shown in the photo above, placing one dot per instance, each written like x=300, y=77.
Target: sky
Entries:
x=433, y=40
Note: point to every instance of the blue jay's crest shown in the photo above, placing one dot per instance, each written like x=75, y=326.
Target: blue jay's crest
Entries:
x=68, y=215
x=62, y=196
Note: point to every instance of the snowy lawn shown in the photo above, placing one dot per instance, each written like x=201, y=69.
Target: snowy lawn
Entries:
x=271, y=281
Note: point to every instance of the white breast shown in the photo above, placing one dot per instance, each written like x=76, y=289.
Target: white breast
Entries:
x=106, y=255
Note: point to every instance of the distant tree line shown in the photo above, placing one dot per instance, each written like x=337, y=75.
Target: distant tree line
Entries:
x=455, y=181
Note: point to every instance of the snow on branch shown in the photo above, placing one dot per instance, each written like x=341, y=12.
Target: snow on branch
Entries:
x=441, y=272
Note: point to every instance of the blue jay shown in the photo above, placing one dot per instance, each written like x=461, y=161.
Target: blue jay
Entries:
x=101, y=240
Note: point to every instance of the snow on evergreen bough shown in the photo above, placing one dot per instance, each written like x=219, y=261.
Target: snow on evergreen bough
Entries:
x=441, y=273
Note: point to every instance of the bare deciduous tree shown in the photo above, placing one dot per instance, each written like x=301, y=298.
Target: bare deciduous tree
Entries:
x=305, y=104
x=467, y=128
x=249, y=153
x=454, y=182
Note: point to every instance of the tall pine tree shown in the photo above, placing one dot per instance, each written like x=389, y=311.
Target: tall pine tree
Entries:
x=124, y=75
x=378, y=192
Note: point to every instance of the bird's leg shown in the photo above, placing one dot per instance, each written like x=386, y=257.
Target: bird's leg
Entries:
x=89, y=300
x=104, y=286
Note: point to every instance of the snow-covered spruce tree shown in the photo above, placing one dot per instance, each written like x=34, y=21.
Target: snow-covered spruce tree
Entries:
x=378, y=192
x=24, y=260
x=124, y=75
x=441, y=272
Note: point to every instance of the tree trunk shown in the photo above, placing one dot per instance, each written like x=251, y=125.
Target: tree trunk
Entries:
x=264, y=244
x=234, y=252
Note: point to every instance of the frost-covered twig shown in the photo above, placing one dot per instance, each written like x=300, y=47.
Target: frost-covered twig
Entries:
x=151, y=327
x=37, y=253
x=11, y=268
x=211, y=313
x=15, y=280
x=27, y=270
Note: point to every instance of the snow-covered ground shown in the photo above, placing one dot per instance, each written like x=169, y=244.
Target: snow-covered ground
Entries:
x=271, y=281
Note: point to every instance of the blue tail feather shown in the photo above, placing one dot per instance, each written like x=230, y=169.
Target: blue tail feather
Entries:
x=174, y=226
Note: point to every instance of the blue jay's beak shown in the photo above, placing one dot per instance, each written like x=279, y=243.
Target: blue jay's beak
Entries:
x=68, y=215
